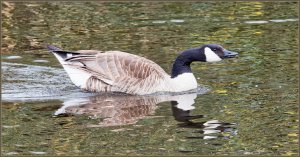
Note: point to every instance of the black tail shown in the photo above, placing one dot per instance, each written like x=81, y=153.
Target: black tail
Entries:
x=63, y=54
x=53, y=48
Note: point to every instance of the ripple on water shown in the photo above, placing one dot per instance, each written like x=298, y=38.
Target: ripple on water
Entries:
x=207, y=130
x=159, y=21
x=177, y=21
x=172, y=21
x=10, y=126
x=37, y=153
x=274, y=20
x=12, y=153
x=292, y=19
x=23, y=82
x=13, y=57
x=256, y=22
x=40, y=61
x=283, y=20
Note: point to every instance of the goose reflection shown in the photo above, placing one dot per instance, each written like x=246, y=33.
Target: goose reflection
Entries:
x=210, y=129
x=116, y=110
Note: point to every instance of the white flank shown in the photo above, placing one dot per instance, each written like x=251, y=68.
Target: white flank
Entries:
x=211, y=56
x=184, y=82
x=78, y=77
x=61, y=61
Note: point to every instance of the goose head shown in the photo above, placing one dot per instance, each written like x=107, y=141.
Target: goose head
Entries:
x=205, y=53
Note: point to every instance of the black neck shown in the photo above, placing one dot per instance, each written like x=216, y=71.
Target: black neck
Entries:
x=180, y=67
x=184, y=60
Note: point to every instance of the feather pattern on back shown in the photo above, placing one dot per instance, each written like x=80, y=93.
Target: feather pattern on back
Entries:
x=116, y=71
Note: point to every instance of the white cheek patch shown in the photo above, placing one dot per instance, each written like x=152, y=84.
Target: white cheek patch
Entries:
x=211, y=56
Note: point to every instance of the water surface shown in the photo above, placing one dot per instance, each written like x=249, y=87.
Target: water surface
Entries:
x=251, y=107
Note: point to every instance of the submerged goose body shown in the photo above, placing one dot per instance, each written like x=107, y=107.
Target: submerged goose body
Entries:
x=116, y=71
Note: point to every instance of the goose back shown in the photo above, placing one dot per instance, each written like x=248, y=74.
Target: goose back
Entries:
x=116, y=71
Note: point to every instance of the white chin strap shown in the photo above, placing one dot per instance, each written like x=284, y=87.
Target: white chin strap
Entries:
x=211, y=56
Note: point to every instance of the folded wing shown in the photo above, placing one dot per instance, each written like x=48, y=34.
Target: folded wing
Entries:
x=118, y=71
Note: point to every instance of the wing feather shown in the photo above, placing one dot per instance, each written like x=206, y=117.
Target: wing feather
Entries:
x=124, y=72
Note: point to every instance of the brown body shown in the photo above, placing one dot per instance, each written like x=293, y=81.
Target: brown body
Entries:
x=115, y=71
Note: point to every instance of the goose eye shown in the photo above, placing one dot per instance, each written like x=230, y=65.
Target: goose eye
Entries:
x=214, y=49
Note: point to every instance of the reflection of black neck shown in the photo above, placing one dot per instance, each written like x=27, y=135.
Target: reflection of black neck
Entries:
x=181, y=115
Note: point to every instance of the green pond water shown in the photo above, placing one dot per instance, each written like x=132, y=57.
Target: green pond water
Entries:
x=246, y=105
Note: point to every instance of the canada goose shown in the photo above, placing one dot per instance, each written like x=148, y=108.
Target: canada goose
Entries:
x=116, y=71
